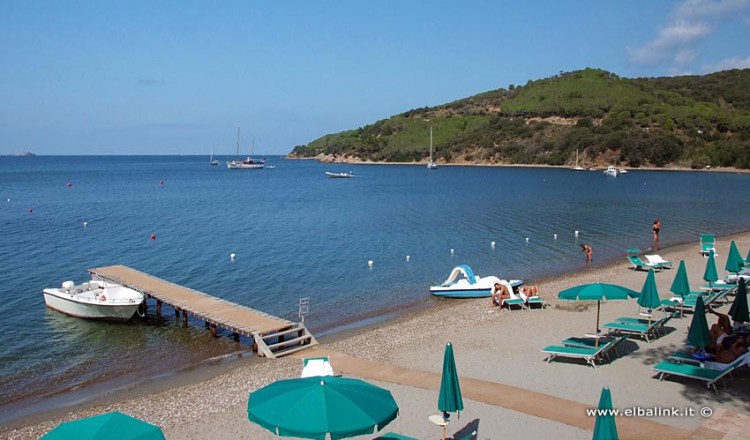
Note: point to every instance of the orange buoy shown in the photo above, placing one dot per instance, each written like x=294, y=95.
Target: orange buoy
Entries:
x=153, y=236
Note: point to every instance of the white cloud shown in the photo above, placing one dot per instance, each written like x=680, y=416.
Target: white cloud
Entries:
x=684, y=57
x=675, y=43
x=702, y=9
x=729, y=63
x=671, y=41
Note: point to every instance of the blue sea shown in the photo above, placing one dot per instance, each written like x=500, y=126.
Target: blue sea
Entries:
x=296, y=233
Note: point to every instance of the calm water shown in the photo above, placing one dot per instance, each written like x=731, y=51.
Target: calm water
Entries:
x=297, y=233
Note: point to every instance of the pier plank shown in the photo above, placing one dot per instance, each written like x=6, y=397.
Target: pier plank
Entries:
x=216, y=310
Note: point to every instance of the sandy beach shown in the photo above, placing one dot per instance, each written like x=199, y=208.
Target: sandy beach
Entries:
x=509, y=389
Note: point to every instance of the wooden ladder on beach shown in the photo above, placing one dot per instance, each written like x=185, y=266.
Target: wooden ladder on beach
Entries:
x=284, y=342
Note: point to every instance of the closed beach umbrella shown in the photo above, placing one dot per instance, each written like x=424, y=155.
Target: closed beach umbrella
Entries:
x=316, y=407
x=605, y=427
x=739, y=310
x=450, y=390
x=680, y=284
x=649, y=297
x=597, y=291
x=699, y=335
x=113, y=425
x=710, y=274
x=734, y=259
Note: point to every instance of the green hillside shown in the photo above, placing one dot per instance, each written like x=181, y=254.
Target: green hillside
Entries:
x=690, y=121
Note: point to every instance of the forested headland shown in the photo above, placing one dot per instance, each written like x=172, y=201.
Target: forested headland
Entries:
x=686, y=121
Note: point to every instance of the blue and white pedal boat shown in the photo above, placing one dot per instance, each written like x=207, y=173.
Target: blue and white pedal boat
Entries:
x=463, y=283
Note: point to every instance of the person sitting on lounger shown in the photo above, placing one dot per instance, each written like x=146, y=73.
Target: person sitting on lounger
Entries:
x=499, y=293
x=721, y=330
x=735, y=350
x=527, y=292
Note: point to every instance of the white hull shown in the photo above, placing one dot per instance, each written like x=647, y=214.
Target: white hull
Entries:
x=463, y=283
x=94, y=300
x=234, y=165
x=611, y=171
x=339, y=175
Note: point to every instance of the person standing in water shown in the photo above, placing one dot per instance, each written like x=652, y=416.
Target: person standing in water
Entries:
x=656, y=228
x=588, y=250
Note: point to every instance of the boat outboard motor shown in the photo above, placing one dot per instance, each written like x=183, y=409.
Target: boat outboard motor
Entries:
x=67, y=286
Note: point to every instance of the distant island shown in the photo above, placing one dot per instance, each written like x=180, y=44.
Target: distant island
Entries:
x=685, y=121
x=25, y=153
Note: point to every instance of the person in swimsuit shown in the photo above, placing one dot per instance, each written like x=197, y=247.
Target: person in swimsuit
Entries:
x=499, y=293
x=588, y=250
x=656, y=228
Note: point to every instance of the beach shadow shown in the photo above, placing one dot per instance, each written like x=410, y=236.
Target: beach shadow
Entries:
x=466, y=432
x=654, y=355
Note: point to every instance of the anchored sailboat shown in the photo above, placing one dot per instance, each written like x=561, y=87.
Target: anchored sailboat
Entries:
x=213, y=161
x=432, y=164
x=249, y=163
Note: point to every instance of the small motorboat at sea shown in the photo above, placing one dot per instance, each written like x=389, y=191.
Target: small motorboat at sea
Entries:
x=350, y=174
x=612, y=171
x=463, y=283
x=95, y=299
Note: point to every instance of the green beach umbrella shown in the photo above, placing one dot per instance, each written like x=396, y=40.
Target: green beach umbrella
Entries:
x=597, y=291
x=734, y=259
x=649, y=297
x=699, y=335
x=450, y=390
x=605, y=427
x=710, y=274
x=680, y=284
x=316, y=407
x=739, y=310
x=113, y=425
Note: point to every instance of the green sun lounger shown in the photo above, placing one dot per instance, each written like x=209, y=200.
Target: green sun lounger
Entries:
x=683, y=357
x=590, y=354
x=645, y=331
x=708, y=375
x=639, y=264
x=511, y=302
x=708, y=244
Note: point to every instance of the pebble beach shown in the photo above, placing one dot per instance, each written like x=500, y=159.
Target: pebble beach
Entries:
x=492, y=347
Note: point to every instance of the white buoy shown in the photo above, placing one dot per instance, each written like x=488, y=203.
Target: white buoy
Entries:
x=8, y=200
x=232, y=256
x=85, y=224
x=407, y=258
x=576, y=233
x=369, y=263
x=492, y=244
x=453, y=251
x=555, y=236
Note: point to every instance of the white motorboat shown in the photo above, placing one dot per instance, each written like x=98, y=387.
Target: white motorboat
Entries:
x=94, y=299
x=431, y=165
x=463, y=283
x=248, y=163
x=611, y=171
x=350, y=174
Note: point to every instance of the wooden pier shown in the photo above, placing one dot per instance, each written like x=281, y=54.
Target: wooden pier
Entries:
x=272, y=337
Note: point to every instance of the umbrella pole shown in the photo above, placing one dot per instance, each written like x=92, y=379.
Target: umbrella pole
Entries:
x=598, y=305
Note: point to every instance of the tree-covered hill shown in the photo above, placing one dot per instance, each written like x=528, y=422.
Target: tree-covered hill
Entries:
x=690, y=121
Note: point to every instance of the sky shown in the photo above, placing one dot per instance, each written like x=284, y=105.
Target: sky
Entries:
x=180, y=77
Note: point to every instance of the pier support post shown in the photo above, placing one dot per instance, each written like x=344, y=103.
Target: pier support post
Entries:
x=236, y=337
x=213, y=330
x=184, y=318
x=158, y=308
x=176, y=314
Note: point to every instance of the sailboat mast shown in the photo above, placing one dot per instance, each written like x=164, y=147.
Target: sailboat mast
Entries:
x=238, y=144
x=430, y=143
